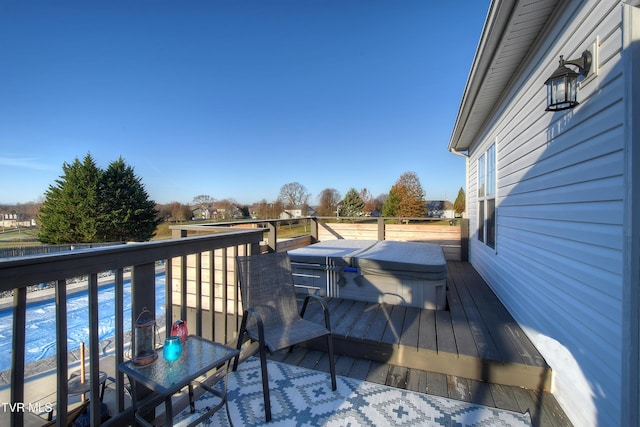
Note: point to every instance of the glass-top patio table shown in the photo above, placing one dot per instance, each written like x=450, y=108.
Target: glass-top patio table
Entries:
x=164, y=378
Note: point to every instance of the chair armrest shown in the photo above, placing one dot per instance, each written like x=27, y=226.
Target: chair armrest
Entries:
x=323, y=304
x=259, y=323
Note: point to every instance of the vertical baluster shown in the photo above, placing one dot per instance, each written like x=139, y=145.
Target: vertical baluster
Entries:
x=225, y=295
x=183, y=287
x=236, y=305
x=198, y=290
x=168, y=289
x=212, y=294
x=62, y=361
x=94, y=353
x=17, y=361
x=119, y=319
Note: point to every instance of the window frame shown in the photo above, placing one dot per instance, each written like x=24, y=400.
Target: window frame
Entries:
x=487, y=189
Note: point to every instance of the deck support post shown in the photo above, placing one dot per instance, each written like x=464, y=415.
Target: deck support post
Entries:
x=143, y=295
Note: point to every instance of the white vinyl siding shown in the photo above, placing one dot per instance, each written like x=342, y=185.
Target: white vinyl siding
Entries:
x=560, y=197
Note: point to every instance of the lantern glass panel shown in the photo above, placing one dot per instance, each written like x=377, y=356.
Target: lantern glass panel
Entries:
x=559, y=91
x=572, y=84
x=144, y=339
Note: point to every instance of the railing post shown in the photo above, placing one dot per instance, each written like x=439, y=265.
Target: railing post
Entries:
x=94, y=352
x=120, y=333
x=143, y=295
x=464, y=239
x=313, y=229
x=254, y=249
x=177, y=234
x=143, y=290
x=381, y=230
x=272, y=236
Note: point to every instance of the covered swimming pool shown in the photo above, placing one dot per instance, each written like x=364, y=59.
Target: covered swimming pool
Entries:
x=41, y=321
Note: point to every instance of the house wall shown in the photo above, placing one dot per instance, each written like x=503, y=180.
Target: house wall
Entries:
x=558, y=260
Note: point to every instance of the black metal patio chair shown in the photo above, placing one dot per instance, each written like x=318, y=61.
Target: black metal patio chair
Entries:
x=271, y=312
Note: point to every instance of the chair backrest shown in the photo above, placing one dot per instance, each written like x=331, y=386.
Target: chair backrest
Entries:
x=266, y=286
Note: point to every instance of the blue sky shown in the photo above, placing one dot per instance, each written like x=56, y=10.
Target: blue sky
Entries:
x=234, y=99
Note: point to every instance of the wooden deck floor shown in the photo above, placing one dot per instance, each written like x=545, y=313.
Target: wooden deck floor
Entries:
x=474, y=351
x=475, y=338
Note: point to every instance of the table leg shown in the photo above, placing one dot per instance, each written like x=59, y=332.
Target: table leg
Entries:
x=168, y=411
x=192, y=404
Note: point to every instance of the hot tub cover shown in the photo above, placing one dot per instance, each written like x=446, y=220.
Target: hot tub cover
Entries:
x=409, y=260
x=338, y=252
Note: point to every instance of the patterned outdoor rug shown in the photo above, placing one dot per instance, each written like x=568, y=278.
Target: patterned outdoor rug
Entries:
x=304, y=397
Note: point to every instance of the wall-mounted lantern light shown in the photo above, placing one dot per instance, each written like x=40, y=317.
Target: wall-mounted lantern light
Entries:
x=563, y=84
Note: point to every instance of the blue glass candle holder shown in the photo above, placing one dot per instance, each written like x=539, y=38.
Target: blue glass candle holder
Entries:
x=172, y=349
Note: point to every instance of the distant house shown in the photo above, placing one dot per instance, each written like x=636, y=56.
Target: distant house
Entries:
x=15, y=220
x=297, y=213
x=291, y=213
x=553, y=198
x=440, y=209
x=201, y=213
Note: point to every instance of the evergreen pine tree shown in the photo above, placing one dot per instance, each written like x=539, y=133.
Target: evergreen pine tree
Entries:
x=126, y=212
x=460, y=205
x=352, y=204
x=88, y=205
x=68, y=213
x=390, y=206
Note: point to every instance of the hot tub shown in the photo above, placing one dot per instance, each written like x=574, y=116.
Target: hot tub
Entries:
x=401, y=273
x=325, y=267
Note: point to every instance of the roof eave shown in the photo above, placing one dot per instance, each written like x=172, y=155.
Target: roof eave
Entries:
x=500, y=25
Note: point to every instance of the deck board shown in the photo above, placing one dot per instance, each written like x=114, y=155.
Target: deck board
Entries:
x=444, y=332
x=379, y=323
x=461, y=300
x=513, y=345
x=344, y=326
x=427, y=338
x=411, y=328
x=393, y=330
x=495, y=318
x=361, y=321
x=463, y=335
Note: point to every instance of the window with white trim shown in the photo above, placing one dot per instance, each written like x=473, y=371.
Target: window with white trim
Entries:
x=487, y=197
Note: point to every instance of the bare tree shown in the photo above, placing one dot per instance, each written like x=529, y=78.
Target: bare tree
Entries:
x=294, y=196
x=368, y=200
x=228, y=209
x=203, y=201
x=204, y=204
x=173, y=211
x=328, y=202
x=266, y=210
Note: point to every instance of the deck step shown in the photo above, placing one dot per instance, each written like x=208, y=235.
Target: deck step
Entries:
x=475, y=338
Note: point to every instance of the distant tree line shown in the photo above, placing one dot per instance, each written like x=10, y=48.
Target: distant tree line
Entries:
x=88, y=204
